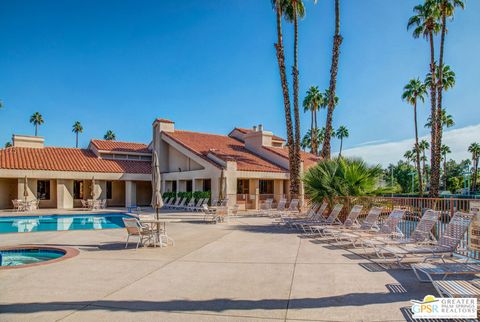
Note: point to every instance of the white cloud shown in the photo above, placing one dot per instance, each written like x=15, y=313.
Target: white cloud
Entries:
x=458, y=140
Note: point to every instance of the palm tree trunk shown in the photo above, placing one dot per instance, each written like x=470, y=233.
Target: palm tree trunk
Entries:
x=341, y=145
x=445, y=170
x=296, y=111
x=76, y=140
x=435, y=170
x=312, y=133
x=36, y=129
x=294, y=184
x=337, y=41
x=439, y=133
x=423, y=165
x=474, y=176
x=417, y=150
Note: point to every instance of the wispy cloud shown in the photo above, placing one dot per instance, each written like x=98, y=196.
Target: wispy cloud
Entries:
x=458, y=140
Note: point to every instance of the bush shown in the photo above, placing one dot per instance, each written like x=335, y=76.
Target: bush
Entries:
x=201, y=195
x=169, y=195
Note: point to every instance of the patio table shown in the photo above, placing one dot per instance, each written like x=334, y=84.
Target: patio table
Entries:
x=159, y=222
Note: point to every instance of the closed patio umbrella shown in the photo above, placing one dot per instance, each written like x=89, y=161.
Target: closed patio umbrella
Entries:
x=157, y=201
x=25, y=188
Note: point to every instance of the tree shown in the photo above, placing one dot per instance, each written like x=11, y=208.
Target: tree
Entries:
x=1, y=104
x=77, y=128
x=341, y=177
x=8, y=145
x=342, y=132
x=312, y=102
x=337, y=41
x=402, y=175
x=445, y=149
x=110, y=136
x=412, y=92
x=307, y=139
x=474, y=149
x=425, y=23
x=424, y=145
x=36, y=119
x=279, y=7
x=446, y=9
x=409, y=156
x=294, y=10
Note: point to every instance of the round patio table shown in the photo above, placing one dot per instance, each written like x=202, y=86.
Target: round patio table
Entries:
x=158, y=222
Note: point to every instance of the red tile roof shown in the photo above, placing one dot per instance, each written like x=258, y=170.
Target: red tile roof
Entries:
x=247, y=131
x=309, y=159
x=225, y=148
x=113, y=146
x=66, y=159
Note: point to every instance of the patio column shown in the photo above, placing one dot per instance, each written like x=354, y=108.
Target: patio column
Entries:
x=64, y=194
x=278, y=190
x=130, y=193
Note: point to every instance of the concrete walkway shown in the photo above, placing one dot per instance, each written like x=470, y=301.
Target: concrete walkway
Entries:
x=243, y=271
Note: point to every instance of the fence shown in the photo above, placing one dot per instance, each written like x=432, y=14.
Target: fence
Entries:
x=415, y=207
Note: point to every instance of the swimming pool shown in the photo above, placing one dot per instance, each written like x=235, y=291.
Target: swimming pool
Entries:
x=28, y=256
x=23, y=224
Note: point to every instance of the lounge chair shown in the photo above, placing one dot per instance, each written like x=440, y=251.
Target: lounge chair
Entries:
x=174, y=204
x=190, y=204
x=274, y=212
x=135, y=228
x=435, y=271
x=315, y=216
x=368, y=224
x=446, y=245
x=315, y=228
x=181, y=204
x=292, y=207
x=458, y=288
x=166, y=202
x=214, y=202
x=290, y=221
x=195, y=206
x=210, y=215
x=351, y=222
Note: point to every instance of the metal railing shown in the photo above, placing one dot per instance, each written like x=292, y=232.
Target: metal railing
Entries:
x=415, y=207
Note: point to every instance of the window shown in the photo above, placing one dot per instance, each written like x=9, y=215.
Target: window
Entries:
x=266, y=187
x=174, y=186
x=109, y=189
x=78, y=189
x=43, y=189
x=207, y=185
x=242, y=186
x=189, y=185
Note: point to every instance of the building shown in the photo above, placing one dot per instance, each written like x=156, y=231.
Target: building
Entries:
x=245, y=166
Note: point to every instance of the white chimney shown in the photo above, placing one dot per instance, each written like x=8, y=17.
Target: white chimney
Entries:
x=26, y=141
x=260, y=127
x=164, y=125
x=254, y=128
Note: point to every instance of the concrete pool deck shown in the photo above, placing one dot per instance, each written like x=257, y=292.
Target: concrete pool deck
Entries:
x=247, y=270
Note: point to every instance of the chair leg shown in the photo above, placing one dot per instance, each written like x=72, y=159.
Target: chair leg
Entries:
x=126, y=244
x=138, y=242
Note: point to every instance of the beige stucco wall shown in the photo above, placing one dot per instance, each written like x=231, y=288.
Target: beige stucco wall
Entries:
x=64, y=194
x=8, y=192
x=118, y=194
x=144, y=193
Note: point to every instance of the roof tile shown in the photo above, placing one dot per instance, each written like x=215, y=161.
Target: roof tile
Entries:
x=111, y=145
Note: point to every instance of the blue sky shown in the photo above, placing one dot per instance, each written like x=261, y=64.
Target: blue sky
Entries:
x=210, y=66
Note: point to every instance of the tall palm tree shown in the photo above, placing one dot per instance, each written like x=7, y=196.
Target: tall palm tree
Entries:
x=342, y=132
x=294, y=10
x=446, y=120
x=446, y=9
x=77, y=128
x=110, y=136
x=337, y=41
x=424, y=146
x=312, y=102
x=279, y=7
x=409, y=155
x=425, y=23
x=412, y=92
x=307, y=139
x=445, y=149
x=36, y=119
x=474, y=149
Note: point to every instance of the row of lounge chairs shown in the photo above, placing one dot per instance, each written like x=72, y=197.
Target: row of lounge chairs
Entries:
x=388, y=242
x=176, y=203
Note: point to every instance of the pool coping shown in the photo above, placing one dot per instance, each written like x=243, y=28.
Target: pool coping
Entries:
x=69, y=253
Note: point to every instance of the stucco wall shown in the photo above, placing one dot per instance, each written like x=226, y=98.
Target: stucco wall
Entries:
x=118, y=194
x=8, y=192
x=144, y=193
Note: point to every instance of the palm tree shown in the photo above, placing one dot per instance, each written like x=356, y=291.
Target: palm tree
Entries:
x=312, y=102
x=307, y=139
x=8, y=145
x=446, y=9
x=110, y=136
x=445, y=149
x=77, y=128
x=409, y=155
x=279, y=7
x=474, y=149
x=412, y=92
x=342, y=132
x=424, y=145
x=445, y=119
x=425, y=23
x=337, y=41
x=1, y=104
x=295, y=9
x=36, y=119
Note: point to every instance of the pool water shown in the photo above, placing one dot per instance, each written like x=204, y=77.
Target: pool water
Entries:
x=25, y=224
x=17, y=257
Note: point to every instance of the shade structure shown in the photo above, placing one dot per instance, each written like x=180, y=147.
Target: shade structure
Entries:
x=157, y=201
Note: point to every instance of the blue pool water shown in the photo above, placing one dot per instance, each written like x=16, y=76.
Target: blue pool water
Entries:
x=61, y=222
x=19, y=257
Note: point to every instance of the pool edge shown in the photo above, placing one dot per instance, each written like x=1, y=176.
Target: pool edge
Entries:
x=69, y=253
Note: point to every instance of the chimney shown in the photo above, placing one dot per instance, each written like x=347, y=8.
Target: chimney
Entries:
x=257, y=139
x=254, y=128
x=164, y=125
x=26, y=141
x=260, y=127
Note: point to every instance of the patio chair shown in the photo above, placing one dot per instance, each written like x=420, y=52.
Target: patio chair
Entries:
x=369, y=223
x=18, y=205
x=223, y=203
x=214, y=202
x=435, y=271
x=33, y=205
x=136, y=229
x=315, y=228
x=190, y=204
x=210, y=215
x=175, y=204
x=103, y=204
x=195, y=206
x=458, y=288
x=181, y=204
x=166, y=202
x=274, y=212
x=306, y=216
x=314, y=216
x=293, y=207
x=350, y=222
x=446, y=245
